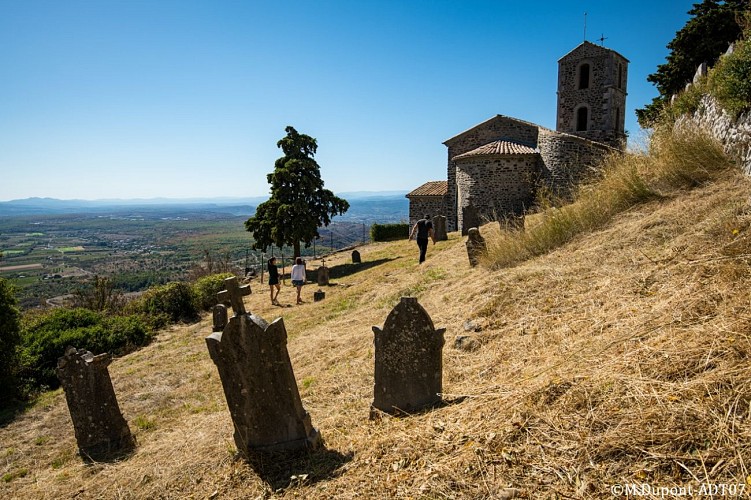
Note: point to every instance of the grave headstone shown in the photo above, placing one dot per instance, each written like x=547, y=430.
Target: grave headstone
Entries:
x=408, y=360
x=319, y=295
x=439, y=228
x=476, y=246
x=259, y=384
x=323, y=276
x=219, y=313
x=101, y=430
x=356, y=257
x=233, y=293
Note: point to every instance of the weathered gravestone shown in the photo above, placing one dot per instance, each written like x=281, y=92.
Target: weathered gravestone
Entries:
x=439, y=228
x=323, y=276
x=259, y=385
x=356, y=257
x=408, y=360
x=219, y=313
x=476, y=246
x=101, y=431
x=319, y=295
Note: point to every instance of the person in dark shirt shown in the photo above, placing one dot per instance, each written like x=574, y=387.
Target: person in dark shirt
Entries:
x=274, y=281
x=421, y=232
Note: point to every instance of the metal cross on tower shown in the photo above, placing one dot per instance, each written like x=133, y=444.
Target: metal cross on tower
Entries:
x=234, y=293
x=602, y=39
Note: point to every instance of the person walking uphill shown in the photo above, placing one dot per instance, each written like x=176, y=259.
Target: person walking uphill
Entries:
x=298, y=277
x=423, y=230
x=274, y=281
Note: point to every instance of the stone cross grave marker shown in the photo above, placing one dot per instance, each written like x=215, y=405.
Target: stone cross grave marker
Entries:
x=476, y=246
x=101, y=431
x=439, y=228
x=356, y=257
x=259, y=386
x=234, y=293
x=408, y=360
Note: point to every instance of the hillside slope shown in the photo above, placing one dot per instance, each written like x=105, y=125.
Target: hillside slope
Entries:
x=620, y=358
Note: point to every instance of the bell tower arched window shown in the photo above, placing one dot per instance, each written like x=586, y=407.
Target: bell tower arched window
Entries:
x=584, y=76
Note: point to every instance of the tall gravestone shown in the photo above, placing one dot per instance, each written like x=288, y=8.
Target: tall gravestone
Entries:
x=408, y=360
x=259, y=385
x=323, y=276
x=476, y=246
x=439, y=228
x=356, y=259
x=100, y=428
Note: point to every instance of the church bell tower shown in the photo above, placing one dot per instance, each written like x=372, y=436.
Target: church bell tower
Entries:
x=592, y=94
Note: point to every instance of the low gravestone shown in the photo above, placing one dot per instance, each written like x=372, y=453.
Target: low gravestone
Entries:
x=101, y=431
x=476, y=246
x=259, y=385
x=319, y=295
x=219, y=313
x=408, y=360
x=323, y=276
x=439, y=228
x=356, y=257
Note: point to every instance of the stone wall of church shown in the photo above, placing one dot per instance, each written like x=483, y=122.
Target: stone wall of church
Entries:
x=568, y=159
x=493, y=187
x=420, y=206
x=498, y=127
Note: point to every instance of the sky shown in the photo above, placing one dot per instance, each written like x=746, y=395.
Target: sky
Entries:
x=187, y=99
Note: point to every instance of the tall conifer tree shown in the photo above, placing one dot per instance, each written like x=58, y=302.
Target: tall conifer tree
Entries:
x=299, y=204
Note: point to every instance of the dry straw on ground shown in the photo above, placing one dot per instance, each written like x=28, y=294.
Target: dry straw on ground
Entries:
x=619, y=357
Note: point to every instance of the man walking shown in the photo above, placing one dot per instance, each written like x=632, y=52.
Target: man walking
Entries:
x=423, y=230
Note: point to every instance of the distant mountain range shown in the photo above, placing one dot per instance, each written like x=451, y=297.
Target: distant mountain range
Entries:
x=364, y=206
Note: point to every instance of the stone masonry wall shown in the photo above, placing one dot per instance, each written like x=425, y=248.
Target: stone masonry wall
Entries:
x=568, y=159
x=419, y=206
x=491, y=187
x=734, y=134
x=498, y=127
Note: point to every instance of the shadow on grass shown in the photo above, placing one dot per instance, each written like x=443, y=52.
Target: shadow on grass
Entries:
x=343, y=270
x=281, y=470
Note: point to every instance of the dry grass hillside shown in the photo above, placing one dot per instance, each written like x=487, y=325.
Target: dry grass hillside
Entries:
x=621, y=357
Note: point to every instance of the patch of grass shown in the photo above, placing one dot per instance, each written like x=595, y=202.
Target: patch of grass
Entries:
x=144, y=423
x=307, y=382
x=686, y=158
x=10, y=476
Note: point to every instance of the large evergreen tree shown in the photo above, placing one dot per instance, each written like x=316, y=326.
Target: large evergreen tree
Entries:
x=714, y=25
x=299, y=204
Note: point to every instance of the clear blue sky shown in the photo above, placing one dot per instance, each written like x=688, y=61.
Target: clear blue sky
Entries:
x=180, y=98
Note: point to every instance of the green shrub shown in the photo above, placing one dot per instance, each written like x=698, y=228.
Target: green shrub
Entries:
x=206, y=288
x=388, y=232
x=45, y=336
x=9, y=338
x=730, y=79
x=175, y=300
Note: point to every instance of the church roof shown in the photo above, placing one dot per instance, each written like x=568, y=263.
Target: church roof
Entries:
x=498, y=148
x=431, y=188
x=591, y=45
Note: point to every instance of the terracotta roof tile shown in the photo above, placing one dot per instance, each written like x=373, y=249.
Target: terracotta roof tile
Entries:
x=431, y=188
x=498, y=148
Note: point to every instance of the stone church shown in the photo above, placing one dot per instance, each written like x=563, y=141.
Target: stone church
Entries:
x=495, y=167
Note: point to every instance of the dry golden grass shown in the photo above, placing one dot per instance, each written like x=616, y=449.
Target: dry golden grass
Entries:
x=620, y=357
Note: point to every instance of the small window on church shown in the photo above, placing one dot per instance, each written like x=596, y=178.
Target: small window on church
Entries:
x=582, y=117
x=584, y=76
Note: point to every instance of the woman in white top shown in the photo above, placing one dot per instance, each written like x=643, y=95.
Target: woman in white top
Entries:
x=298, y=277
